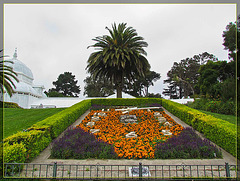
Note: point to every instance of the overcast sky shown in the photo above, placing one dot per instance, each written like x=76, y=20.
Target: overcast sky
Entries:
x=53, y=38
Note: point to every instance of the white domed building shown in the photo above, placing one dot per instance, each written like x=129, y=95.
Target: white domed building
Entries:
x=25, y=92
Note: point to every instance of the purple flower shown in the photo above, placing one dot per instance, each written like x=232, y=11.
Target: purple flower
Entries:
x=78, y=144
x=186, y=145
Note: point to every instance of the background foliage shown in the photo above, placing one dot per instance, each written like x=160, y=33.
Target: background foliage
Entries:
x=65, y=86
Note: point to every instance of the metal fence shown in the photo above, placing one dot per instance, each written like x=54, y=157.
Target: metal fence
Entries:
x=119, y=172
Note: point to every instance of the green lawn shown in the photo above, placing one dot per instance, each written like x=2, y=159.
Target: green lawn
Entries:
x=229, y=118
x=15, y=120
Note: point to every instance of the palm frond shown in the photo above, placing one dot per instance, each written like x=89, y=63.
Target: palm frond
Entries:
x=7, y=75
x=121, y=54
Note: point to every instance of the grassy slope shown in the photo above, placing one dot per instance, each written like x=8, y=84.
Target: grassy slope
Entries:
x=15, y=120
x=229, y=118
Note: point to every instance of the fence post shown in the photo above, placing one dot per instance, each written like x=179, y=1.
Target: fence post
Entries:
x=140, y=171
x=227, y=170
x=55, y=170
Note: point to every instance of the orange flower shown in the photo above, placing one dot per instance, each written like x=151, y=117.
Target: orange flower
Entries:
x=148, y=130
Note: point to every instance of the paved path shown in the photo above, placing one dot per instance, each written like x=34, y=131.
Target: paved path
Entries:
x=44, y=156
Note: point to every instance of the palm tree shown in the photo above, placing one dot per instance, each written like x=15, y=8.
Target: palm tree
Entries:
x=6, y=76
x=119, y=56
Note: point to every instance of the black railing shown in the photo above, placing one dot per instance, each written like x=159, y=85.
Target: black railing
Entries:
x=119, y=172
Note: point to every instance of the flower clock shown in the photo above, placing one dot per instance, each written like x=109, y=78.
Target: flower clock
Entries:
x=147, y=128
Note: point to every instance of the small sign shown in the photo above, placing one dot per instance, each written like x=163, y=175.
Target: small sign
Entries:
x=134, y=172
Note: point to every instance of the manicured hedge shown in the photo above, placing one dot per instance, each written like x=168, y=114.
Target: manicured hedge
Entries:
x=62, y=120
x=217, y=130
x=34, y=141
x=9, y=105
x=14, y=153
x=126, y=102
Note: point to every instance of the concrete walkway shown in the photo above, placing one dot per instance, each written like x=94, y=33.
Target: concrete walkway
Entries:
x=44, y=156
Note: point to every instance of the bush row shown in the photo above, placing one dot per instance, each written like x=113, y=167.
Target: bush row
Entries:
x=9, y=105
x=217, y=130
x=34, y=142
x=24, y=146
x=216, y=106
x=60, y=121
x=126, y=102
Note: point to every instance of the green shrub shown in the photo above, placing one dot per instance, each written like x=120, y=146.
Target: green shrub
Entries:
x=216, y=106
x=14, y=153
x=228, y=107
x=198, y=104
x=213, y=106
x=9, y=105
x=238, y=142
x=1, y=159
x=125, y=102
x=34, y=141
x=219, y=131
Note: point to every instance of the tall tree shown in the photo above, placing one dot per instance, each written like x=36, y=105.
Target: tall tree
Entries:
x=204, y=57
x=232, y=44
x=229, y=40
x=66, y=85
x=97, y=87
x=120, y=55
x=140, y=85
x=7, y=75
x=175, y=88
x=53, y=93
x=213, y=76
x=183, y=76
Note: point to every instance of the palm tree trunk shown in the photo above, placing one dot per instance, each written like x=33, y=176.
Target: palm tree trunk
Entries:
x=119, y=86
x=119, y=92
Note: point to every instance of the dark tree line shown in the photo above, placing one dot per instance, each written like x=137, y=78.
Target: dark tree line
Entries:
x=204, y=74
x=183, y=76
x=138, y=86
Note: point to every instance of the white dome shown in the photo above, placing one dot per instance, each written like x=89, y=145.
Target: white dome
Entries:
x=20, y=67
x=25, y=91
